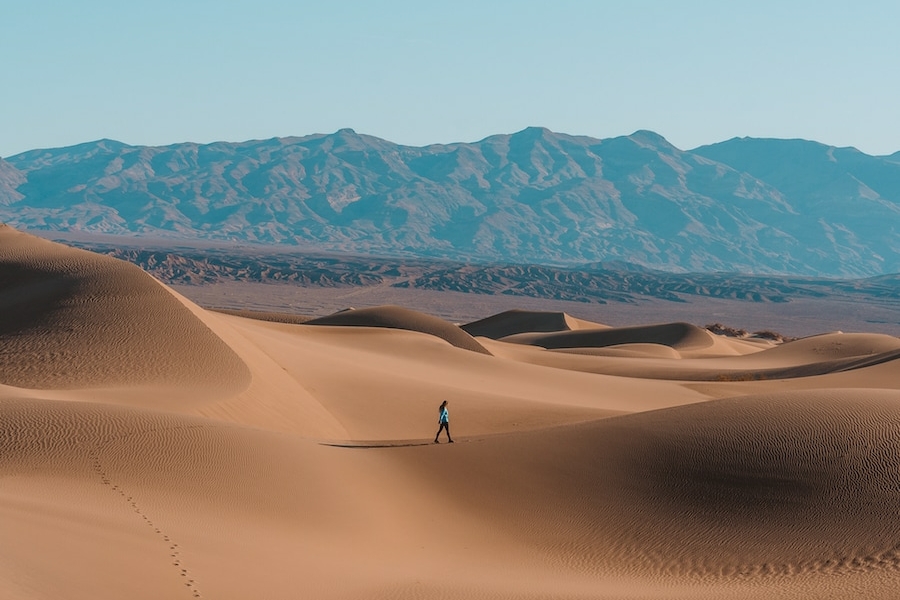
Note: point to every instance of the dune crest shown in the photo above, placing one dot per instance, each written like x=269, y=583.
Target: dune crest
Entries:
x=680, y=336
x=516, y=321
x=397, y=317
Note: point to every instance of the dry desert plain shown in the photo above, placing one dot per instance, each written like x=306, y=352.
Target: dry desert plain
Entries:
x=154, y=449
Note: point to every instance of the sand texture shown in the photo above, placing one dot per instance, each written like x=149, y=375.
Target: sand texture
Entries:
x=153, y=449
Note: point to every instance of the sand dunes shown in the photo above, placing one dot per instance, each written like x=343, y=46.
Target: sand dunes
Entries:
x=152, y=449
x=71, y=318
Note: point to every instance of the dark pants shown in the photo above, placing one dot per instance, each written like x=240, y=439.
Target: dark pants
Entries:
x=444, y=427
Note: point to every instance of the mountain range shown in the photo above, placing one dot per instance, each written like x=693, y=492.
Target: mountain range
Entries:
x=532, y=197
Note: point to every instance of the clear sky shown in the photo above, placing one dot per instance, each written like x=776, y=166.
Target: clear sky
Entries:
x=418, y=72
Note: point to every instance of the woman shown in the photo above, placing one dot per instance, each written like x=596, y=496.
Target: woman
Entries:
x=444, y=420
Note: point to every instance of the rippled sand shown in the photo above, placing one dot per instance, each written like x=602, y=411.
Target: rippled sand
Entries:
x=153, y=449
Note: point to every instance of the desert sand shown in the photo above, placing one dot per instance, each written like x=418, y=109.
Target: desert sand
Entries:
x=154, y=449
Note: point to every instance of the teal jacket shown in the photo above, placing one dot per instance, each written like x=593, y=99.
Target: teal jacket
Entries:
x=445, y=416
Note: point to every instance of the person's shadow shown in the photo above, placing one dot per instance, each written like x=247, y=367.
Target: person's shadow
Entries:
x=378, y=444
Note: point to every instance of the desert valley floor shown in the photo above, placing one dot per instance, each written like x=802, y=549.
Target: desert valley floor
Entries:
x=155, y=449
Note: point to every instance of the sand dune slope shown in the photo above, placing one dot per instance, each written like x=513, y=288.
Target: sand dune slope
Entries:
x=766, y=493
x=397, y=317
x=516, y=321
x=791, y=495
x=680, y=336
x=382, y=383
x=832, y=346
x=81, y=326
x=104, y=501
x=70, y=318
x=723, y=360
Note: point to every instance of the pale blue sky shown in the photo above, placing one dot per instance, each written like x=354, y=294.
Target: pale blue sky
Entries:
x=419, y=72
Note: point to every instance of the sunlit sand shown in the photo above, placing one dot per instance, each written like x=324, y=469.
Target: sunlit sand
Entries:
x=153, y=449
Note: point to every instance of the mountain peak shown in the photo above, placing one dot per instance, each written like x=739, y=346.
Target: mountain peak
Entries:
x=533, y=130
x=646, y=136
x=107, y=144
x=534, y=133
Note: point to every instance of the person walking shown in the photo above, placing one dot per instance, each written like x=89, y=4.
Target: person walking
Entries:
x=444, y=421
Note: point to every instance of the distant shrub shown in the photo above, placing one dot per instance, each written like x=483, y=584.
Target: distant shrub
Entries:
x=772, y=335
x=719, y=329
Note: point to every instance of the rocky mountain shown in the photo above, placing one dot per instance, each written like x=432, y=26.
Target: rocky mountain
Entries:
x=10, y=179
x=537, y=197
x=848, y=197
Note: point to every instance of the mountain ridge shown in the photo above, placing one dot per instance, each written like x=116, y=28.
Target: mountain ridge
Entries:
x=534, y=196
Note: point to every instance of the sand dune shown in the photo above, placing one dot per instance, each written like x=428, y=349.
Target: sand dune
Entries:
x=723, y=359
x=152, y=449
x=676, y=335
x=397, y=317
x=516, y=321
x=780, y=490
x=71, y=318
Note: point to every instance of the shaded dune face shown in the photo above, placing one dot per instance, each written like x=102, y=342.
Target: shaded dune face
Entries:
x=516, y=321
x=743, y=471
x=684, y=352
x=676, y=335
x=29, y=297
x=743, y=368
x=396, y=317
x=809, y=369
x=786, y=485
x=73, y=319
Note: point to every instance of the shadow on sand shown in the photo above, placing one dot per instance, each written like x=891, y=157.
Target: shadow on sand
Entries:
x=377, y=444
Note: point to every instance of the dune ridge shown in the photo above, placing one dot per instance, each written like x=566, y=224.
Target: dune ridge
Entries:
x=680, y=336
x=517, y=321
x=279, y=458
x=397, y=317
